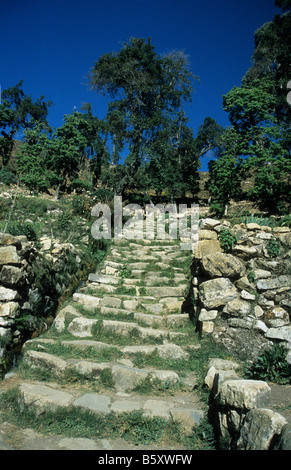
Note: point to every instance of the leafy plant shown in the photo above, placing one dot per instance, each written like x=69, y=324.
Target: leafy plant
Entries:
x=273, y=247
x=271, y=366
x=251, y=276
x=227, y=240
x=260, y=220
x=19, y=228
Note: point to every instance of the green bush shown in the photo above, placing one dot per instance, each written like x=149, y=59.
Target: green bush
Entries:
x=23, y=228
x=271, y=366
x=7, y=177
x=227, y=240
x=273, y=247
x=217, y=209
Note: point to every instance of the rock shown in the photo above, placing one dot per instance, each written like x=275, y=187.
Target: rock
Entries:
x=259, y=428
x=245, y=394
x=207, y=235
x=206, y=327
x=8, y=294
x=157, y=408
x=126, y=406
x=284, y=442
x=165, y=291
x=205, y=247
x=78, y=443
x=245, y=252
x=8, y=255
x=46, y=361
x=216, y=292
x=244, y=284
x=237, y=308
x=209, y=223
x=9, y=309
x=12, y=276
x=81, y=326
x=253, y=226
x=274, y=283
x=207, y=315
x=127, y=378
x=247, y=295
x=94, y=402
x=283, y=333
x=88, y=301
x=43, y=398
x=103, y=279
x=187, y=418
x=171, y=351
x=7, y=239
x=222, y=265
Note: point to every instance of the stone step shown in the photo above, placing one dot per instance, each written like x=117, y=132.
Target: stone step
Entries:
x=159, y=292
x=125, y=377
x=103, y=279
x=39, y=398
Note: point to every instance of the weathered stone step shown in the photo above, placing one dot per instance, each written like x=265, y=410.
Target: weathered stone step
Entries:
x=125, y=377
x=159, y=292
x=39, y=398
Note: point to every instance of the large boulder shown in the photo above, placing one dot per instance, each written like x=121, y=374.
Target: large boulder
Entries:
x=259, y=429
x=222, y=265
x=245, y=394
x=216, y=292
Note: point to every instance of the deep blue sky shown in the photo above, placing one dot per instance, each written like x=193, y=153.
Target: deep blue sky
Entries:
x=52, y=44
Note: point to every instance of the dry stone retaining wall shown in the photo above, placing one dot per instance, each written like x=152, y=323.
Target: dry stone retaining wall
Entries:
x=32, y=281
x=243, y=297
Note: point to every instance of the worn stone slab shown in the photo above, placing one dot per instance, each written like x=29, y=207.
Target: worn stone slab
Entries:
x=43, y=398
x=127, y=378
x=81, y=326
x=119, y=327
x=110, y=302
x=45, y=360
x=103, y=279
x=126, y=406
x=88, y=301
x=166, y=291
x=87, y=343
x=188, y=418
x=149, y=319
x=78, y=443
x=94, y=402
x=157, y=408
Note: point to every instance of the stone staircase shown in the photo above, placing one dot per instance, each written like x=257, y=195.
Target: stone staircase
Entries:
x=123, y=343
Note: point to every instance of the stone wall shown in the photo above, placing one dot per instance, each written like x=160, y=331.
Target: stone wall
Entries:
x=239, y=411
x=32, y=283
x=243, y=297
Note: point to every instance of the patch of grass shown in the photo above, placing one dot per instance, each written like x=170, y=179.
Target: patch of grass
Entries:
x=75, y=422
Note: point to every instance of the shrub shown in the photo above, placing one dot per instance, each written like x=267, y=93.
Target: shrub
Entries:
x=227, y=240
x=273, y=247
x=19, y=228
x=271, y=366
x=7, y=177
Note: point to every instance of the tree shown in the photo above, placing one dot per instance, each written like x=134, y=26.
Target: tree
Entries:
x=258, y=141
x=32, y=159
x=263, y=141
x=19, y=112
x=148, y=92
